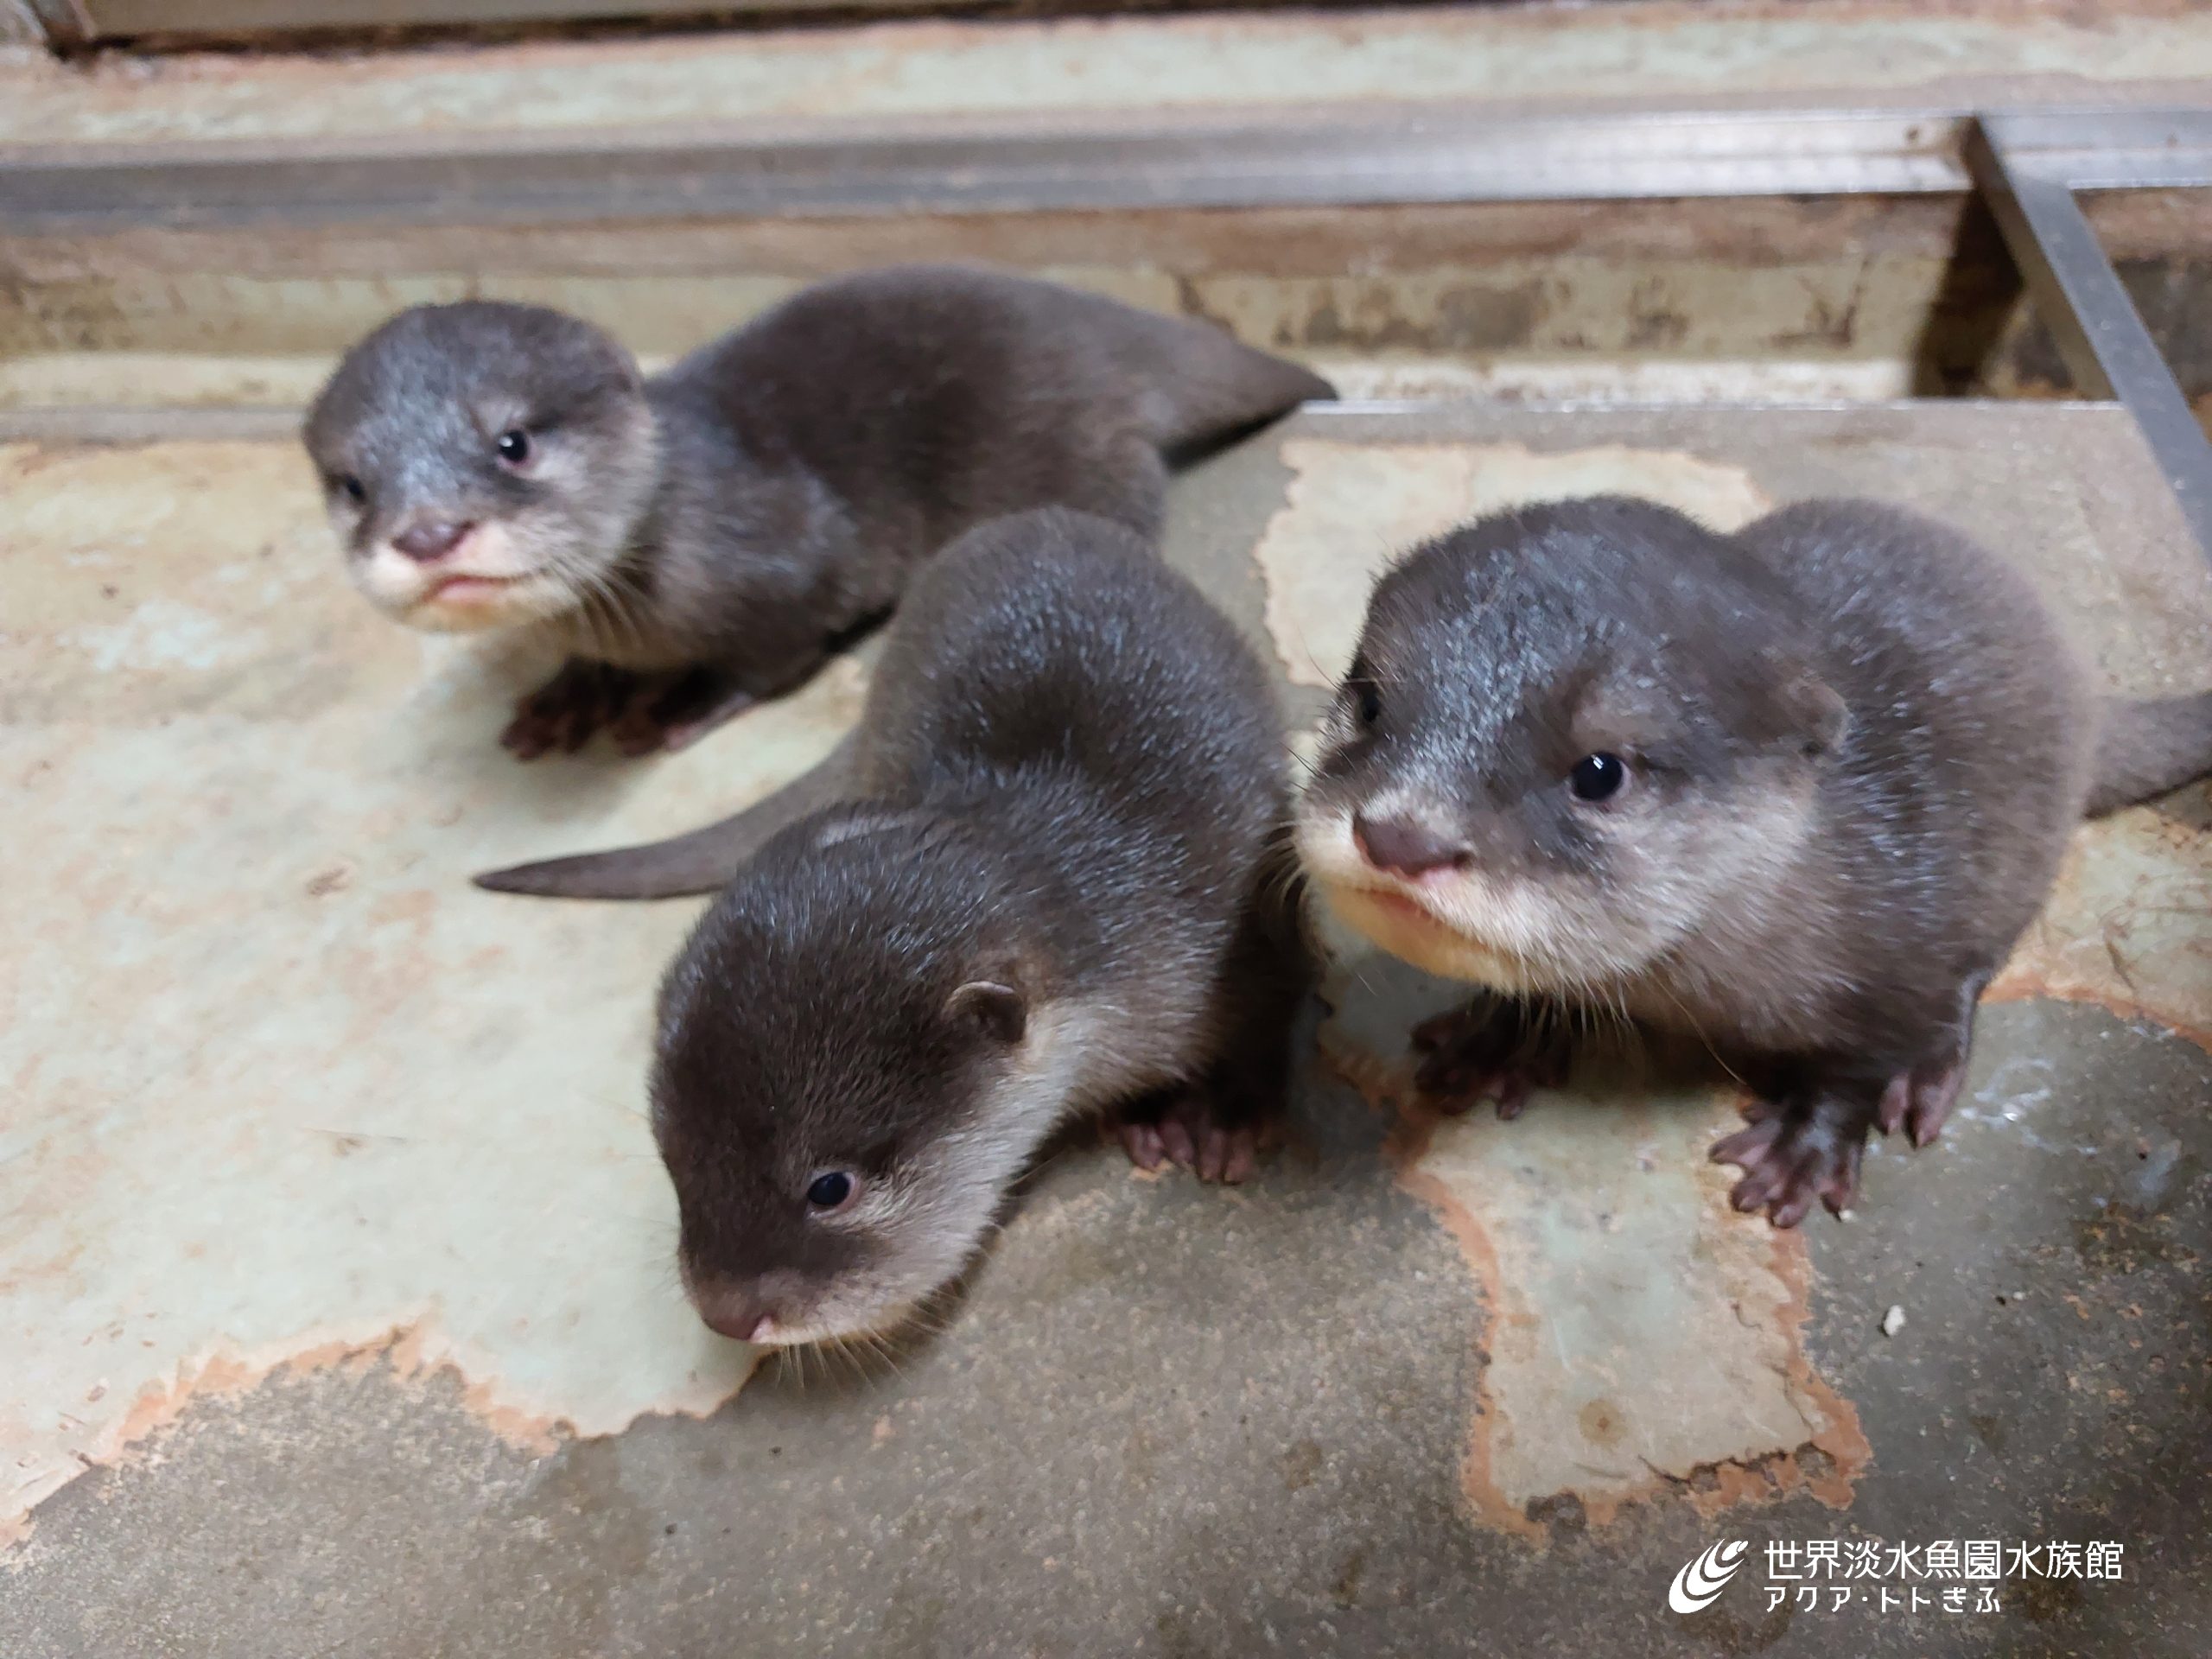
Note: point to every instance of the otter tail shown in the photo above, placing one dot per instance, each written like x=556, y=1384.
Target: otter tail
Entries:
x=702, y=860
x=2147, y=748
x=1206, y=387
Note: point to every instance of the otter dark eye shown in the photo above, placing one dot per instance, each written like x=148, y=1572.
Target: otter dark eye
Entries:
x=830, y=1189
x=1598, y=777
x=1369, y=704
x=350, y=488
x=514, y=446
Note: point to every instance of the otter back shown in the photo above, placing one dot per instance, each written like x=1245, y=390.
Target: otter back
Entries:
x=703, y=540
x=1053, y=885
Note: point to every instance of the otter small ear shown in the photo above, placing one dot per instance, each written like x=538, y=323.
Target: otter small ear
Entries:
x=997, y=1009
x=1807, y=706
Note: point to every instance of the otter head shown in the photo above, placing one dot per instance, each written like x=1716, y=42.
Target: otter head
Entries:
x=1571, y=738
x=483, y=463
x=854, y=1063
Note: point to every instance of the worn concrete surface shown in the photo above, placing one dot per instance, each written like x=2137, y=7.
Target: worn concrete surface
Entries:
x=335, y=1313
x=91, y=326
x=1656, y=49
x=254, y=1082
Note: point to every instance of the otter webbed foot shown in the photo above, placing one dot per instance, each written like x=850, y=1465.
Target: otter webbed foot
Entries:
x=1193, y=1128
x=563, y=713
x=643, y=714
x=1801, y=1149
x=1493, y=1048
x=1920, y=1100
x=681, y=713
x=1788, y=1164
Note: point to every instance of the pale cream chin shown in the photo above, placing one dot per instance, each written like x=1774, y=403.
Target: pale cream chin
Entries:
x=1465, y=931
x=406, y=592
x=1427, y=944
x=839, y=1318
x=525, y=603
x=1324, y=847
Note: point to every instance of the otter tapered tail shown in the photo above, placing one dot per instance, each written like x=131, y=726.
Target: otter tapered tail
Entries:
x=700, y=862
x=1208, y=388
x=2145, y=749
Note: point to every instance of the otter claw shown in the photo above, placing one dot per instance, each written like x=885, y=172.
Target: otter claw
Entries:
x=564, y=712
x=1187, y=1133
x=1142, y=1142
x=1788, y=1161
x=1491, y=1049
x=1920, y=1101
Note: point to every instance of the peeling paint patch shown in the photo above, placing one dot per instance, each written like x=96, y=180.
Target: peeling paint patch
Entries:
x=1351, y=508
x=274, y=1081
x=413, y=1354
x=2129, y=924
x=1644, y=1340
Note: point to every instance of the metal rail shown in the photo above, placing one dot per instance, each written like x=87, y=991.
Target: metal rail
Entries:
x=1247, y=158
x=2029, y=169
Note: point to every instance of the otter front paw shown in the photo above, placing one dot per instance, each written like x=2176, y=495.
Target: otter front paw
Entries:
x=676, y=711
x=1493, y=1048
x=1791, y=1158
x=1920, y=1100
x=1189, y=1128
x=564, y=712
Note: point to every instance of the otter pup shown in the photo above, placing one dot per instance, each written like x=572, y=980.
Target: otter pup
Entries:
x=1795, y=790
x=702, y=539
x=1057, y=885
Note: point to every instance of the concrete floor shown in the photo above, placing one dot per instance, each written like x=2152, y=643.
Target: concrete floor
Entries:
x=1658, y=51
x=336, y=1312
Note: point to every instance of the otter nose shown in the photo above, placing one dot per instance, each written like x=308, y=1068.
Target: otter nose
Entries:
x=739, y=1315
x=1408, y=848
x=432, y=539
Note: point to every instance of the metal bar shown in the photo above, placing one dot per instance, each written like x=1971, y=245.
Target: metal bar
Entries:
x=123, y=19
x=63, y=22
x=2097, y=329
x=1250, y=158
x=1245, y=159
x=2110, y=149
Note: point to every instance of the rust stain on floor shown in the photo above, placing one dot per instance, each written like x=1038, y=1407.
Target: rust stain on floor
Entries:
x=413, y=1354
x=1644, y=1340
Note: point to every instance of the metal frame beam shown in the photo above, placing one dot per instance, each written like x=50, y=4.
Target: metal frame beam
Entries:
x=2029, y=169
x=1256, y=157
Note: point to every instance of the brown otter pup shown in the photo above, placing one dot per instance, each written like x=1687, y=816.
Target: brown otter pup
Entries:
x=1046, y=877
x=702, y=539
x=1794, y=792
